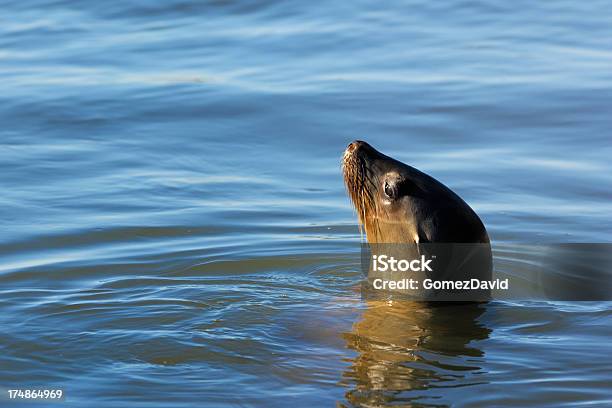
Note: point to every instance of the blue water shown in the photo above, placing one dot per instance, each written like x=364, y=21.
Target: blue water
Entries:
x=176, y=231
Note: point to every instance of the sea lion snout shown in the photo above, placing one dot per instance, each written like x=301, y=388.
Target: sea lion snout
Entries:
x=358, y=147
x=361, y=153
x=352, y=150
x=354, y=145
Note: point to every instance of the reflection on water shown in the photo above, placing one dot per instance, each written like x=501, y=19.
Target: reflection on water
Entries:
x=407, y=348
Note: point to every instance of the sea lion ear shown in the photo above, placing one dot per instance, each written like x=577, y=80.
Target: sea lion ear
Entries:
x=395, y=188
x=407, y=187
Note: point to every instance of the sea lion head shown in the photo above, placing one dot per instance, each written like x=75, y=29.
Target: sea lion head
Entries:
x=397, y=203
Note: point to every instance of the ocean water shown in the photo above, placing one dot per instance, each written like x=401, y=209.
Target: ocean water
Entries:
x=175, y=230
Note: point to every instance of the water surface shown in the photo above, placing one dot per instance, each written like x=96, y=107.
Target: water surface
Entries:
x=175, y=228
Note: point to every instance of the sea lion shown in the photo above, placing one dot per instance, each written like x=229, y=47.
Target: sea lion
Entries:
x=396, y=203
x=434, y=227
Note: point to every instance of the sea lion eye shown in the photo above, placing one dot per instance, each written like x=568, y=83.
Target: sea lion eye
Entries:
x=390, y=190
